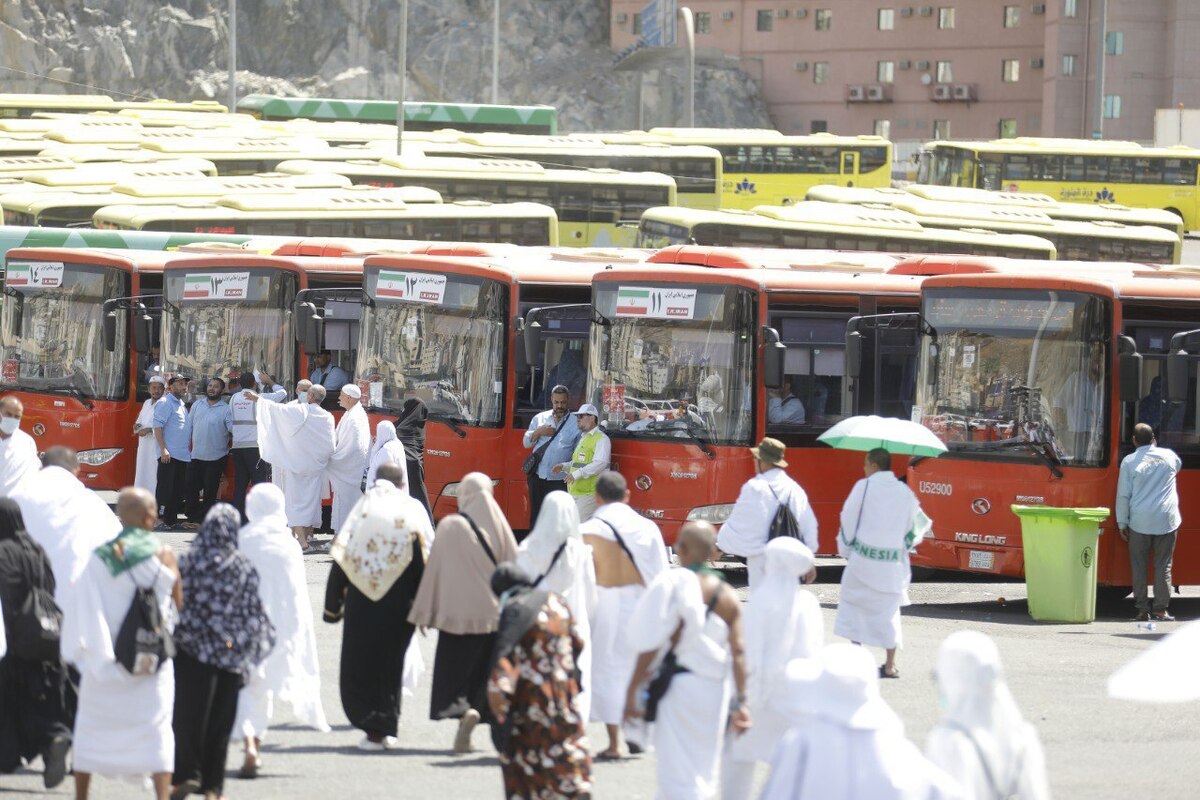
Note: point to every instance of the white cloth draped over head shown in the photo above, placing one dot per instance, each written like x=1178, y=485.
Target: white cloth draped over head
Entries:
x=387, y=448
x=982, y=739
x=375, y=545
x=18, y=460
x=145, y=473
x=848, y=743
x=348, y=462
x=67, y=519
x=297, y=440
x=290, y=672
x=123, y=723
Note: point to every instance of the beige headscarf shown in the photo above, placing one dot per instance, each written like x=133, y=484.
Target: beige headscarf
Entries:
x=456, y=590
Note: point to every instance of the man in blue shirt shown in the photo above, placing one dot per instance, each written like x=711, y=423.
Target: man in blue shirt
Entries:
x=553, y=434
x=331, y=376
x=173, y=432
x=212, y=433
x=1148, y=518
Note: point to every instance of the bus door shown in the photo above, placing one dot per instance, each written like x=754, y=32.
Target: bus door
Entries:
x=340, y=310
x=881, y=362
x=849, y=167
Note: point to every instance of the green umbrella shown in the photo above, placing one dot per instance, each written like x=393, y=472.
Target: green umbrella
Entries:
x=897, y=436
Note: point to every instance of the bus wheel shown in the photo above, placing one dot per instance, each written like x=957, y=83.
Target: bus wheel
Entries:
x=923, y=573
x=1176, y=212
x=1112, y=595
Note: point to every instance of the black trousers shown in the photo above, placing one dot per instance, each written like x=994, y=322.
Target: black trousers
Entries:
x=169, y=492
x=538, y=489
x=248, y=468
x=205, y=710
x=206, y=476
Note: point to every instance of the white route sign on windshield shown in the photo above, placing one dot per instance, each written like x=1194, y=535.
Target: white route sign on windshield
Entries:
x=36, y=274
x=640, y=301
x=216, y=285
x=412, y=287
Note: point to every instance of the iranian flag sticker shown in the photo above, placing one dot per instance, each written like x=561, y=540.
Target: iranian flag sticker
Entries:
x=656, y=303
x=413, y=287
x=35, y=274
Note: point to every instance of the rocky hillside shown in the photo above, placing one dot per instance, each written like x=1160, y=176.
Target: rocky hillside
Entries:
x=553, y=51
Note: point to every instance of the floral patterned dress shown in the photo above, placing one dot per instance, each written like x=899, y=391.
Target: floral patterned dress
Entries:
x=546, y=756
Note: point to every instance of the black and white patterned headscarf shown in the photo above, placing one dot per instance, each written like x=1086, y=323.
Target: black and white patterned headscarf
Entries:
x=223, y=623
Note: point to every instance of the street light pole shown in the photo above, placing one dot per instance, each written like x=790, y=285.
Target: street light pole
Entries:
x=495, y=52
x=232, y=56
x=403, y=66
x=1101, y=51
x=689, y=30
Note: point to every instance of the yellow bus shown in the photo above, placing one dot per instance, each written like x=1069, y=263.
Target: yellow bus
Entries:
x=827, y=226
x=595, y=207
x=1072, y=170
x=1075, y=240
x=20, y=144
x=696, y=169
x=766, y=167
x=26, y=105
x=110, y=174
x=358, y=217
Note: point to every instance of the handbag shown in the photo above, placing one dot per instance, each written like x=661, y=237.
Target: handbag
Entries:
x=534, y=460
x=143, y=642
x=657, y=688
x=35, y=629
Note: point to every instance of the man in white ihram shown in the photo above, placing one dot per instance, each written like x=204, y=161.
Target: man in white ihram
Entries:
x=297, y=440
x=745, y=532
x=302, y=387
x=145, y=473
x=348, y=463
x=18, y=453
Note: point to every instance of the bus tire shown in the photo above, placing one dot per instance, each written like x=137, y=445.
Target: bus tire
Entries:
x=923, y=573
x=1111, y=595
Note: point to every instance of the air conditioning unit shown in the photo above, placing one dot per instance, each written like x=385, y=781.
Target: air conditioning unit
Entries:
x=964, y=91
x=878, y=93
x=726, y=15
x=801, y=66
x=801, y=13
x=926, y=11
x=1039, y=8
x=942, y=92
x=922, y=65
x=906, y=12
x=855, y=94
x=905, y=65
x=782, y=13
x=1037, y=63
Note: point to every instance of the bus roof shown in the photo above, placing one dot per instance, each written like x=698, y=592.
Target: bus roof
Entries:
x=14, y=236
x=544, y=270
x=528, y=143
x=385, y=111
x=106, y=174
x=511, y=170
x=28, y=165
x=753, y=136
x=140, y=216
x=1031, y=144
x=812, y=281
x=1117, y=280
x=216, y=186
x=131, y=260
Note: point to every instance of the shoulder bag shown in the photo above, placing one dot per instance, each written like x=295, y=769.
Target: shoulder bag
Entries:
x=487, y=548
x=657, y=688
x=532, y=461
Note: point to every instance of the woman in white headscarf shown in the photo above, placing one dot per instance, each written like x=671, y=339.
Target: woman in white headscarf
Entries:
x=782, y=622
x=982, y=739
x=387, y=447
x=291, y=671
x=555, y=557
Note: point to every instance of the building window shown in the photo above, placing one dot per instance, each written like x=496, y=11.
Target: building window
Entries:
x=821, y=72
x=637, y=23
x=946, y=18
x=887, y=19
x=941, y=129
x=883, y=127
x=1112, y=106
x=1012, y=70
x=1068, y=66
x=824, y=19
x=1070, y=8
x=1012, y=16
x=1007, y=128
x=885, y=71
x=1114, y=43
x=818, y=126
x=703, y=22
x=944, y=72
x=766, y=20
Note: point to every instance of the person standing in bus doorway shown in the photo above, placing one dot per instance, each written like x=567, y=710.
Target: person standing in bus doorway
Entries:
x=881, y=521
x=145, y=474
x=212, y=432
x=552, y=436
x=1148, y=518
x=745, y=532
x=248, y=466
x=331, y=376
x=18, y=453
x=173, y=434
x=591, y=457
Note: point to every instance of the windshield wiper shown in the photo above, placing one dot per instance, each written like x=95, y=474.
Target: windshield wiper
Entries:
x=1038, y=449
x=690, y=429
x=449, y=422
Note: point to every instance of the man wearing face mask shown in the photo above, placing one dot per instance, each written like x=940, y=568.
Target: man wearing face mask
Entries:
x=18, y=453
x=212, y=433
x=173, y=434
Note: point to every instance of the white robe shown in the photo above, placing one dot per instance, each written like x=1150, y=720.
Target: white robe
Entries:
x=297, y=440
x=391, y=451
x=348, y=463
x=18, y=460
x=68, y=520
x=145, y=473
x=123, y=725
x=290, y=672
x=745, y=531
x=612, y=657
x=875, y=539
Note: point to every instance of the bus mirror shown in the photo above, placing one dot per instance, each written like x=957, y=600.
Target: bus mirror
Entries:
x=533, y=342
x=1130, y=365
x=773, y=359
x=143, y=330
x=109, y=333
x=853, y=354
x=1177, y=377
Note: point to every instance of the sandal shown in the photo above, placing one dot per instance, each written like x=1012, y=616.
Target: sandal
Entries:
x=608, y=756
x=249, y=770
x=883, y=673
x=181, y=791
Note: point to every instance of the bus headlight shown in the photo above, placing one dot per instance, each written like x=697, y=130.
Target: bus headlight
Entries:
x=712, y=514
x=94, y=458
x=451, y=489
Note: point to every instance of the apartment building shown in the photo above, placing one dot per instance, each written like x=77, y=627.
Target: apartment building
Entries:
x=957, y=68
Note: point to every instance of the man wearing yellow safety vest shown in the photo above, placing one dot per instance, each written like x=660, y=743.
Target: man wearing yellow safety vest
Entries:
x=591, y=457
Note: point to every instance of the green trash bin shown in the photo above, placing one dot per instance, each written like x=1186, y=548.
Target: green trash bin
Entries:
x=1060, y=561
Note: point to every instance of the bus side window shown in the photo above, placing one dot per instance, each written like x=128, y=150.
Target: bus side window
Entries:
x=814, y=368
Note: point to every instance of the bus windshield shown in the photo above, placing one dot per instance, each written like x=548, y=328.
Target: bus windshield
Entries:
x=674, y=361
x=224, y=321
x=50, y=337
x=1013, y=368
x=436, y=337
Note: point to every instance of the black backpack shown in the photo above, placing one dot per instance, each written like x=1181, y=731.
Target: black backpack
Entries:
x=784, y=522
x=35, y=628
x=143, y=643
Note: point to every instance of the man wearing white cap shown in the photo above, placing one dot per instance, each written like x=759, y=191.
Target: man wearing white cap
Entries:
x=591, y=457
x=348, y=464
x=145, y=473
